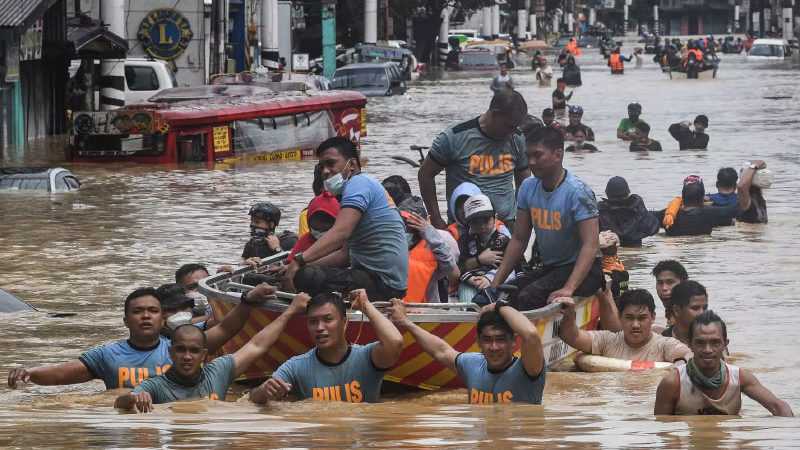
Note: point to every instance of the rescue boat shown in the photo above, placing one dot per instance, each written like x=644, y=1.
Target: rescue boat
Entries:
x=453, y=322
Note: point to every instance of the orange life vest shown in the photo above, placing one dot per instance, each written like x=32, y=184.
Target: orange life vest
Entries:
x=616, y=63
x=456, y=233
x=698, y=55
x=422, y=265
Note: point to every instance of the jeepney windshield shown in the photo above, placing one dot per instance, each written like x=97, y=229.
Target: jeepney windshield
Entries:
x=360, y=78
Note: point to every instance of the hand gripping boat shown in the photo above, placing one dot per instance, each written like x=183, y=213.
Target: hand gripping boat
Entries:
x=453, y=322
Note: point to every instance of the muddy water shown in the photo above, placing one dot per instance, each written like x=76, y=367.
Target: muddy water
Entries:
x=133, y=225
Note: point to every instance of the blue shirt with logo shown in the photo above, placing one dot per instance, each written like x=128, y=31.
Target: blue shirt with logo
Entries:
x=215, y=379
x=555, y=216
x=511, y=385
x=120, y=365
x=354, y=380
x=378, y=243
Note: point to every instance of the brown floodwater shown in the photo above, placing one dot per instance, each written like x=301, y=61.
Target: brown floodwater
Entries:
x=133, y=225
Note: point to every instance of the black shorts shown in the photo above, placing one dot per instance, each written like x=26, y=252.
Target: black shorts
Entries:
x=536, y=285
x=315, y=280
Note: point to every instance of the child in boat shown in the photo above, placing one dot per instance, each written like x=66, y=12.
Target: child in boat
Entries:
x=613, y=269
x=322, y=212
x=481, y=248
x=264, y=218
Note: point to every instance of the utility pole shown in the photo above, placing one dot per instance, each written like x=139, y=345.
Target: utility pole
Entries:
x=112, y=71
x=329, y=37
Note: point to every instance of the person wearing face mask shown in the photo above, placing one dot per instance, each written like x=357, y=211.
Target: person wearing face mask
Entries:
x=481, y=248
x=485, y=151
x=264, y=218
x=430, y=254
x=366, y=247
x=188, y=276
x=177, y=307
x=322, y=212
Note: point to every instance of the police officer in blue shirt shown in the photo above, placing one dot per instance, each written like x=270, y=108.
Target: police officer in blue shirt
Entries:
x=494, y=375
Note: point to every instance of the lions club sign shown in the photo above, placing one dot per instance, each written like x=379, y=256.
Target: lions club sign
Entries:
x=164, y=33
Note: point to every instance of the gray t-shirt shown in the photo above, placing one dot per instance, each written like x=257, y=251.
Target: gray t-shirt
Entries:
x=354, y=380
x=469, y=155
x=511, y=385
x=378, y=243
x=216, y=378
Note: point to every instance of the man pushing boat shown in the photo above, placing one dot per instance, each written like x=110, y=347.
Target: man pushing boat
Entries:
x=494, y=375
x=128, y=362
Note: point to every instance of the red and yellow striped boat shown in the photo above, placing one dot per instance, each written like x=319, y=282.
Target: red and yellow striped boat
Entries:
x=453, y=322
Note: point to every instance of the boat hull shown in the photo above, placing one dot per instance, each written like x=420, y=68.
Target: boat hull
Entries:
x=415, y=367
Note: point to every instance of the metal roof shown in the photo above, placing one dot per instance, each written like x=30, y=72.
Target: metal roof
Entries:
x=21, y=13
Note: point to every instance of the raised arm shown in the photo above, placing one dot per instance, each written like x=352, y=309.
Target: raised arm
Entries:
x=667, y=394
x=515, y=248
x=390, y=341
x=588, y=230
x=755, y=390
x=427, y=187
x=531, y=349
x=233, y=322
x=433, y=345
x=261, y=342
x=609, y=314
x=743, y=189
x=568, y=331
x=70, y=372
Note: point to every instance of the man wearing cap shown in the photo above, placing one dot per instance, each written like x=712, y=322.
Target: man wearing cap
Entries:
x=689, y=139
x=626, y=130
x=626, y=214
x=430, y=253
x=562, y=210
x=485, y=151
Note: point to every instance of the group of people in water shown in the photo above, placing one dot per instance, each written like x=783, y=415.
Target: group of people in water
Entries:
x=362, y=240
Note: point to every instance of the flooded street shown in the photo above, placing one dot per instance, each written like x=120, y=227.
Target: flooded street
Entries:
x=133, y=225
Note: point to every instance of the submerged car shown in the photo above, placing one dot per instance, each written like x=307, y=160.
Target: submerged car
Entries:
x=370, y=79
x=476, y=59
x=43, y=179
x=769, y=49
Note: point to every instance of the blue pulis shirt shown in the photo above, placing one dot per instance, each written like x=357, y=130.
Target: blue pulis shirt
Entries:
x=354, y=380
x=378, y=243
x=217, y=376
x=555, y=216
x=511, y=385
x=121, y=365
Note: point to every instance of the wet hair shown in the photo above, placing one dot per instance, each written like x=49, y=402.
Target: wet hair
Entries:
x=188, y=269
x=397, y=187
x=707, y=318
x=344, y=146
x=643, y=127
x=683, y=292
x=672, y=266
x=139, y=293
x=494, y=319
x=548, y=112
x=727, y=178
x=693, y=194
x=509, y=101
x=547, y=136
x=325, y=298
x=196, y=330
x=637, y=297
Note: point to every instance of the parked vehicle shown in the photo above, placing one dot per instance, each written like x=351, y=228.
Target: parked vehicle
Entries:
x=475, y=59
x=9, y=303
x=226, y=122
x=370, y=79
x=145, y=78
x=42, y=179
x=767, y=49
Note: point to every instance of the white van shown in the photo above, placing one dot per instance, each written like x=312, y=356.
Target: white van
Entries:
x=144, y=78
x=769, y=49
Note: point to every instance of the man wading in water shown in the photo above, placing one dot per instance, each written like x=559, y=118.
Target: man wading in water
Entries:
x=128, y=362
x=335, y=370
x=709, y=385
x=189, y=378
x=494, y=375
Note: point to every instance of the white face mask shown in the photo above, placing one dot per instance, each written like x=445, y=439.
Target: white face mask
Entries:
x=335, y=184
x=200, y=300
x=317, y=235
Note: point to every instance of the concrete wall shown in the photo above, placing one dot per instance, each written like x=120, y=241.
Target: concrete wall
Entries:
x=191, y=63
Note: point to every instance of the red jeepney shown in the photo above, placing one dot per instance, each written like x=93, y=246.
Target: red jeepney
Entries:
x=219, y=123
